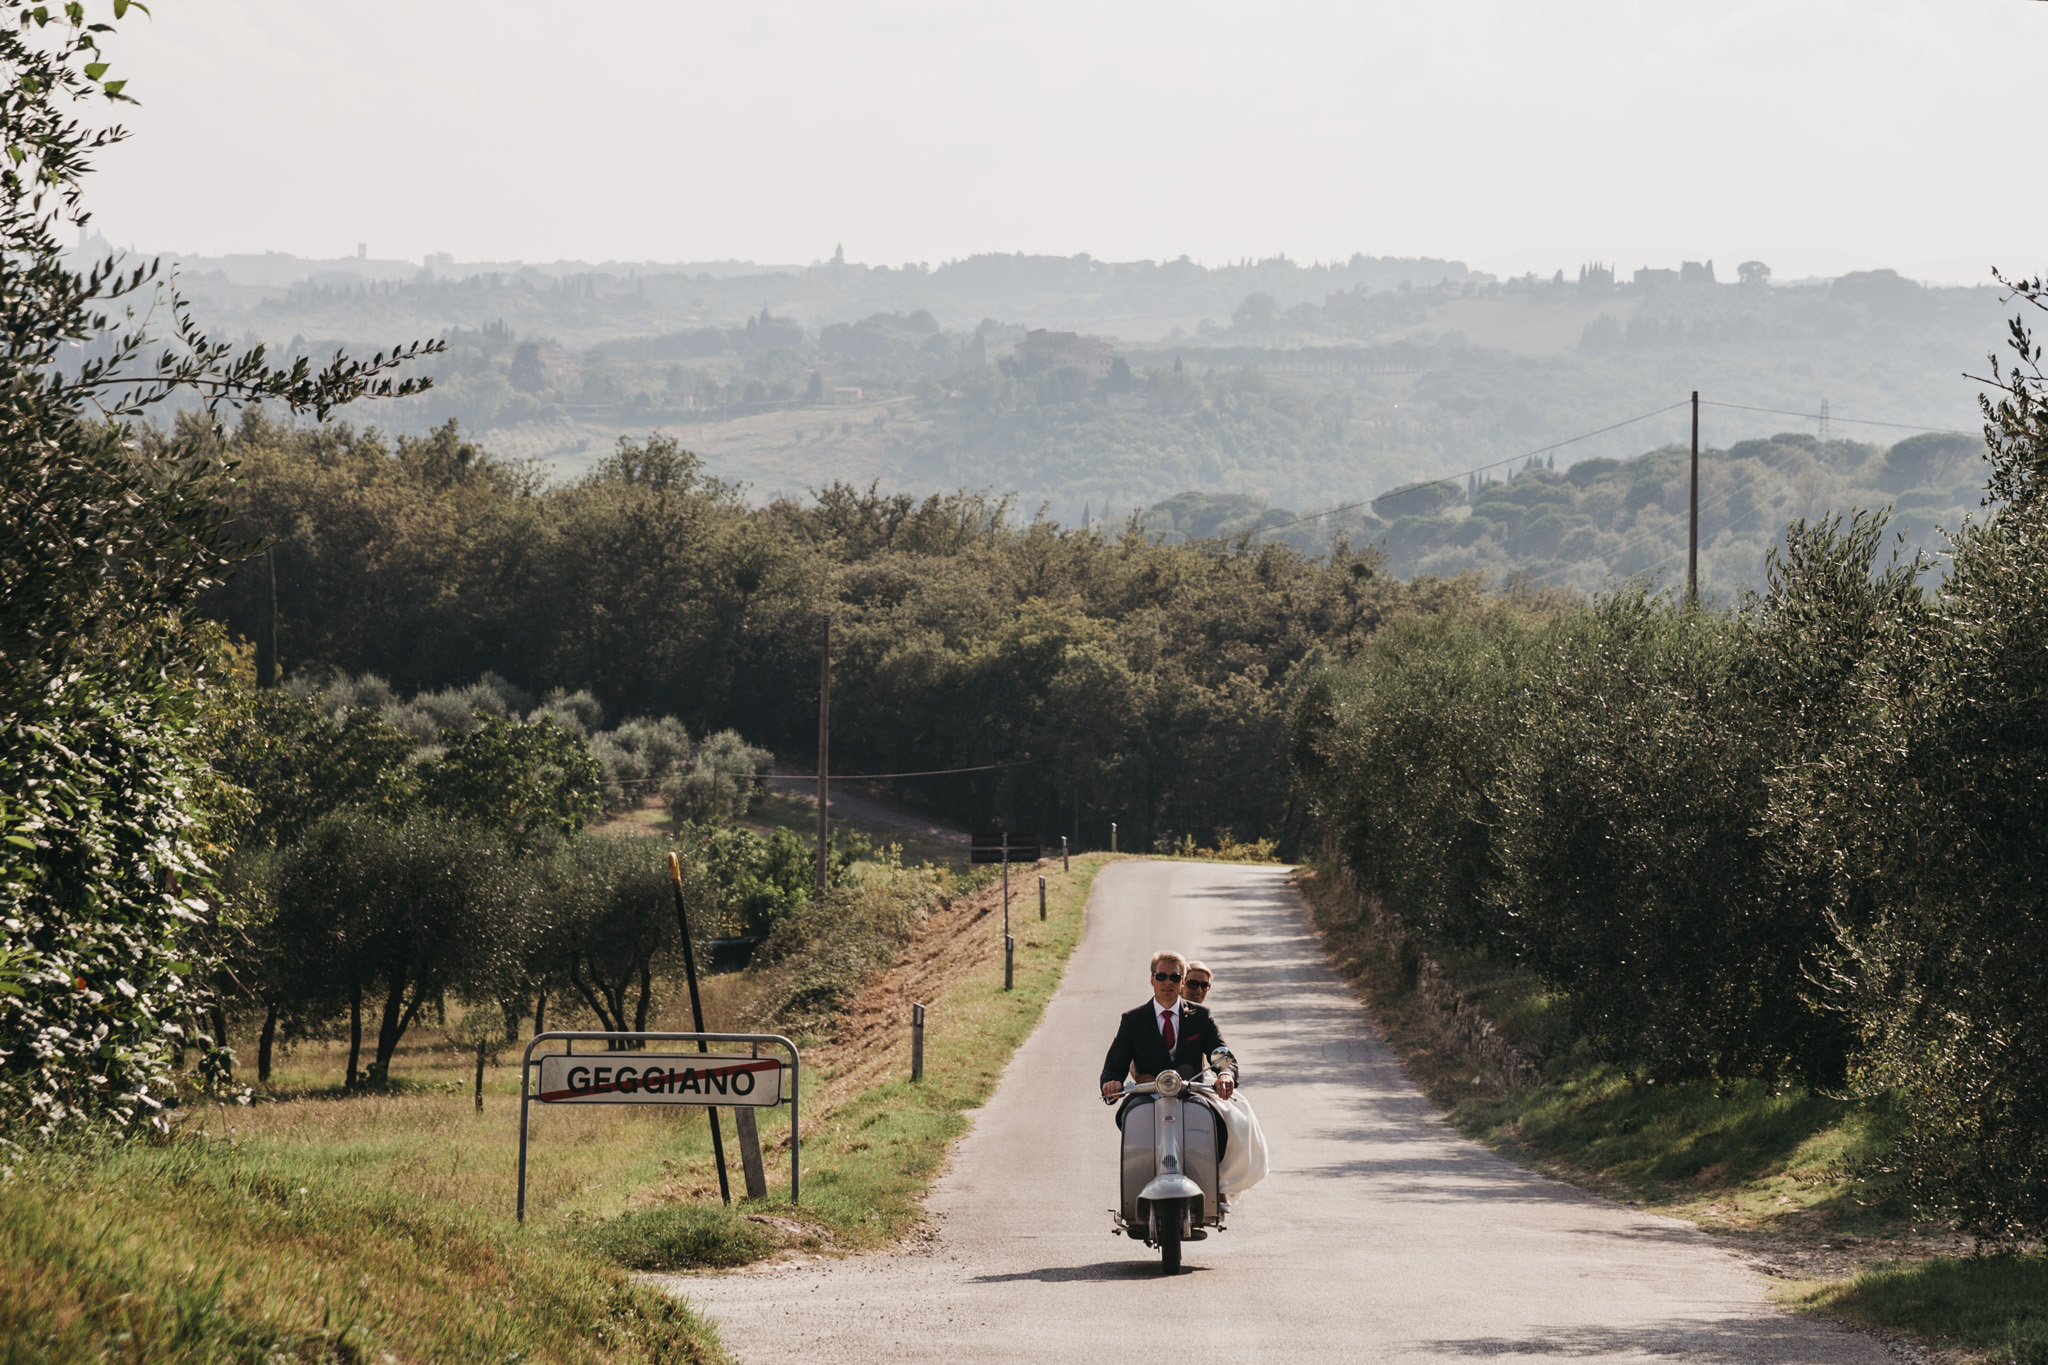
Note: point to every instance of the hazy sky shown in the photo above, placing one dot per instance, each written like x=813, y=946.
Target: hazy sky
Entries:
x=1819, y=135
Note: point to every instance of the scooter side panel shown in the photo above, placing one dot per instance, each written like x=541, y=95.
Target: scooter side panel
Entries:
x=1198, y=1152
x=1140, y=1142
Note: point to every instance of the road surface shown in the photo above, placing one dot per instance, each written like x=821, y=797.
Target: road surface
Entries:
x=1380, y=1234
x=850, y=801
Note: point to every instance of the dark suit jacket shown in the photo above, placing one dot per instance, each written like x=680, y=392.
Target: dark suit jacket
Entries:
x=1138, y=1043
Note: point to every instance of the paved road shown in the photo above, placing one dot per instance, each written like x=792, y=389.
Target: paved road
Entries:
x=849, y=800
x=1380, y=1234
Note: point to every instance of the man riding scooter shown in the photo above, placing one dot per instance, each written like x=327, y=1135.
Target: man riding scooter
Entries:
x=1172, y=1139
x=1166, y=1033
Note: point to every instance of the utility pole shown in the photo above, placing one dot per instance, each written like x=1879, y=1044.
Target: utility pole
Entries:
x=1692, y=544
x=824, y=759
x=266, y=643
x=1009, y=943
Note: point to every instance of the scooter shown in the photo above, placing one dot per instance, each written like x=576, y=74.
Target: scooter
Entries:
x=1170, y=1153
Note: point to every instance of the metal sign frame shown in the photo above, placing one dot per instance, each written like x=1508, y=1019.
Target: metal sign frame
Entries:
x=1003, y=846
x=573, y=1037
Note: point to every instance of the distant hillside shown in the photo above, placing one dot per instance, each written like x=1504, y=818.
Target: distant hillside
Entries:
x=1604, y=519
x=582, y=306
x=1304, y=386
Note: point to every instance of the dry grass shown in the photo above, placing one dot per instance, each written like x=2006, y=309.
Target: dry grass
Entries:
x=321, y=1225
x=372, y=1229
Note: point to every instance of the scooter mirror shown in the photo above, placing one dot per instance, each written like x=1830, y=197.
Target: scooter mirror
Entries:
x=1223, y=1059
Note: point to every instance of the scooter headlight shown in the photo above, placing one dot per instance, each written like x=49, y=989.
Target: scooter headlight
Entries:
x=1169, y=1082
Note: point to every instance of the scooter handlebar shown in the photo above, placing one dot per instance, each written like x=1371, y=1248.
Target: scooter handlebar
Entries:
x=1152, y=1088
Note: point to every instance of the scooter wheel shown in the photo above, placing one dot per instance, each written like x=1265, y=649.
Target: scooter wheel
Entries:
x=1167, y=1221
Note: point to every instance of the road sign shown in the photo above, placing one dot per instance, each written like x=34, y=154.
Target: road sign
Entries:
x=989, y=848
x=711, y=1079
x=638, y=1078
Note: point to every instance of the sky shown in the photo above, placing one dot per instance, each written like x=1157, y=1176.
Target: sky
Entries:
x=1816, y=135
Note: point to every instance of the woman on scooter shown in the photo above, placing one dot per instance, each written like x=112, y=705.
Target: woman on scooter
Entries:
x=1244, y=1151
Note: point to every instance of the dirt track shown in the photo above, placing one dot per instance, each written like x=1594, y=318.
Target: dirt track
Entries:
x=1380, y=1235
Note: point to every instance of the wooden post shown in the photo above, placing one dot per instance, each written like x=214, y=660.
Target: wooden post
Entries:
x=1041, y=899
x=1009, y=962
x=675, y=877
x=1692, y=544
x=1065, y=855
x=479, y=1075
x=750, y=1152
x=824, y=761
x=266, y=643
x=917, y=1042
x=1112, y=836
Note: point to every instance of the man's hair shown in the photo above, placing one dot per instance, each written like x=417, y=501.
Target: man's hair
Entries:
x=1192, y=967
x=1168, y=955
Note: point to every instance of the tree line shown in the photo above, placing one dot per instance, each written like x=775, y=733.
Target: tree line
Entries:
x=1797, y=837
x=1094, y=677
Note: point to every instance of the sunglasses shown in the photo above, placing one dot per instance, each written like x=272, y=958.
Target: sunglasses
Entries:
x=1166, y=976
x=1200, y=985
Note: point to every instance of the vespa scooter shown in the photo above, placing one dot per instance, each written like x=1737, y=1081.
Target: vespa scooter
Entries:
x=1171, y=1149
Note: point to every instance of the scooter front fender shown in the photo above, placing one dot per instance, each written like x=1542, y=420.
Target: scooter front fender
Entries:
x=1171, y=1187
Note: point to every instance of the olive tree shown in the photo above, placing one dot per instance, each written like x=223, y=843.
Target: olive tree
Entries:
x=392, y=917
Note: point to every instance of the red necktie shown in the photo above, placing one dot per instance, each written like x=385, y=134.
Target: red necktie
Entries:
x=1166, y=1030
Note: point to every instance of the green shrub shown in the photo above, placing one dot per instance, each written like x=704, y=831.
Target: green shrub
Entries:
x=679, y=1237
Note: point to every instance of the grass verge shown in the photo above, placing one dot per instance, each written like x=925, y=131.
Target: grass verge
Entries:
x=1986, y=1307
x=317, y=1225
x=1798, y=1177
x=202, y=1249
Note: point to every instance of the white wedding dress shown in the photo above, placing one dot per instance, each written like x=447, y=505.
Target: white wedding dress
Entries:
x=1244, y=1156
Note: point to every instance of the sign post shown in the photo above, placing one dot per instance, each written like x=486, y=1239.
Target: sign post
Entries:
x=675, y=876
x=738, y=1079
x=750, y=1151
x=1002, y=848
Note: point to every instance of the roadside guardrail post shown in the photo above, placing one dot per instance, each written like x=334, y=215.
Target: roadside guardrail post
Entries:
x=917, y=1042
x=1065, y=854
x=1041, y=898
x=1112, y=836
x=1009, y=961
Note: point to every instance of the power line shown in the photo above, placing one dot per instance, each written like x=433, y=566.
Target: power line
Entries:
x=1829, y=416
x=844, y=777
x=1478, y=469
x=1650, y=533
x=932, y=772
x=1602, y=431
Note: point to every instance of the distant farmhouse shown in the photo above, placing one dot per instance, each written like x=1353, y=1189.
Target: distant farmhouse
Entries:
x=1042, y=352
